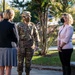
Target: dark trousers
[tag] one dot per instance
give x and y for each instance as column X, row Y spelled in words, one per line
column 27, row 55
column 65, row 57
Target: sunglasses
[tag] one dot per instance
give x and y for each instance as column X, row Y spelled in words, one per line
column 23, row 16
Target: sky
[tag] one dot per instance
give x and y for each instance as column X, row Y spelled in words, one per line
column 8, row 1
column 12, row 0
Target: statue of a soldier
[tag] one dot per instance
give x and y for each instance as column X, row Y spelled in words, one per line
column 27, row 35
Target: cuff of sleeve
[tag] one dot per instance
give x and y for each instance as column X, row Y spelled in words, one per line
column 65, row 41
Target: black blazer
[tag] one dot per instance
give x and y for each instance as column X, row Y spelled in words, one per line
column 7, row 34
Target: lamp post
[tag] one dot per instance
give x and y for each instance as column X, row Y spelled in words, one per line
column 3, row 5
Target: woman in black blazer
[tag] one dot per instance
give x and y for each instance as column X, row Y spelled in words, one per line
column 7, row 35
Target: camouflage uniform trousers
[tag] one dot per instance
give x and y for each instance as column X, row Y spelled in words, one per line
column 27, row 55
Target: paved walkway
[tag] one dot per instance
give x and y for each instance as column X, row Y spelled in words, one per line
column 41, row 70
column 38, row 72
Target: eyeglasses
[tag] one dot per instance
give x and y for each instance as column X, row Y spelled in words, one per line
column 65, row 14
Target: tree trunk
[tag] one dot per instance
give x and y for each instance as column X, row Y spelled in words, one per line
column 3, row 5
column 44, row 30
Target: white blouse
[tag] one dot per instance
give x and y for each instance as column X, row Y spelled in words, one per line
column 65, row 35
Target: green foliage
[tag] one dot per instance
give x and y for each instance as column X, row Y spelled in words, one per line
column 51, row 59
column 60, row 6
column 52, row 35
column 34, row 14
column 34, row 18
column 17, row 17
column 73, row 56
column 39, row 10
column 1, row 7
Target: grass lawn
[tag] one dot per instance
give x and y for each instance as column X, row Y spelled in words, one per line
column 51, row 59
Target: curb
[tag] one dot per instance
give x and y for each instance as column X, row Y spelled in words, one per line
column 40, row 67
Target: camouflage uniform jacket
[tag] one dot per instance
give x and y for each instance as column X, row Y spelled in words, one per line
column 27, row 35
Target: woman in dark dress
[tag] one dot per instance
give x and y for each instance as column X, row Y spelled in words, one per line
column 7, row 36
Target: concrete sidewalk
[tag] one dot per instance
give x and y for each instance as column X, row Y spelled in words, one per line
column 41, row 70
column 46, row 67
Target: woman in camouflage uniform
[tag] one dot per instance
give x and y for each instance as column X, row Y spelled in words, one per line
column 27, row 35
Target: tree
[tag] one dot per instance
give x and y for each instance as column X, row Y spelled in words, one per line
column 61, row 6
column 19, row 4
column 3, row 5
column 41, row 8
